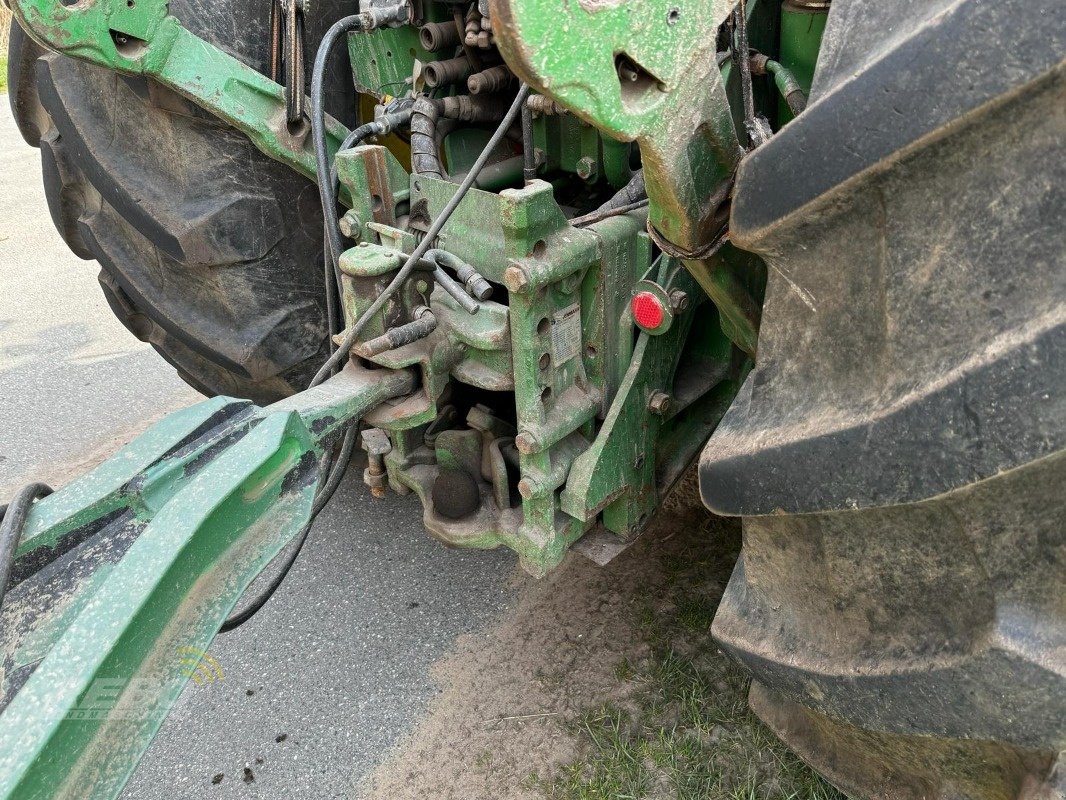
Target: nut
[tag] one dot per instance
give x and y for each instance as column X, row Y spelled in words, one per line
column 377, row 481
column 659, row 403
column 678, row 301
column 351, row 226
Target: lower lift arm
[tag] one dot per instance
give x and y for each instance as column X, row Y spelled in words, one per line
column 129, row 571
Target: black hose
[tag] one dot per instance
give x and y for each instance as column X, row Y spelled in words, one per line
column 601, row 214
column 424, row 157
column 529, row 154
column 336, row 472
column 318, row 129
column 633, row 192
column 13, row 519
column 427, row 240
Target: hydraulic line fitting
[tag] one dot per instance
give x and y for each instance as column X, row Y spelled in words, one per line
column 423, row 324
column 447, row 71
column 438, row 36
column 492, row 79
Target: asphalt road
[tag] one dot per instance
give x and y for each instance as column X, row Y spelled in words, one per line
column 334, row 670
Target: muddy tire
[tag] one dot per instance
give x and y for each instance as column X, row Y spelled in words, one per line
column 898, row 453
column 208, row 249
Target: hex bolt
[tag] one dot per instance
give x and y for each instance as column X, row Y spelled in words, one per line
column 351, row 226
column 377, row 444
column 678, row 301
column 659, row 403
column 516, row 278
column 586, row 169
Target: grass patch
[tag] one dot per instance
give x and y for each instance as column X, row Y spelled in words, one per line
column 685, row 730
column 3, row 74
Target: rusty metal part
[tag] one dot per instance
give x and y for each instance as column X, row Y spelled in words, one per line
column 492, row 79
column 438, row 36
column 446, row 71
column 377, row 445
column 423, row 324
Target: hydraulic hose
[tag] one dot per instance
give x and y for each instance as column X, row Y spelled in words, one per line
column 354, row 22
column 427, row 241
column 336, row 471
column 788, row 86
column 633, row 192
column 13, row 519
column 425, row 115
column 424, row 157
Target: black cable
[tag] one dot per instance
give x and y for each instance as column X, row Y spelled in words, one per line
column 529, row 153
column 336, row 471
column 601, row 214
column 13, row 519
column 318, row 128
column 427, row 241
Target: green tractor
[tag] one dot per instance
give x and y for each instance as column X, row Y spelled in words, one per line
column 537, row 258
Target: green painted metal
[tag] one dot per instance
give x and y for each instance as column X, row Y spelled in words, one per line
column 577, row 419
column 564, row 349
column 145, row 556
column 656, row 83
column 142, row 38
column 574, row 54
column 566, row 143
column 802, row 26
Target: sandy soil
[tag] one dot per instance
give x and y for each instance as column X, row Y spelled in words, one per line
column 507, row 695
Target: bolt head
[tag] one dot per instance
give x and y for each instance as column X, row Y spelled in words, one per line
column 515, row 278
column 351, row 226
column 586, row 168
column 678, row 301
column 659, row 403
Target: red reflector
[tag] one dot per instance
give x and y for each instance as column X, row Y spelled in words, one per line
column 647, row 310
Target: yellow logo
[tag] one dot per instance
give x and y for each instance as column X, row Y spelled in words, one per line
column 200, row 666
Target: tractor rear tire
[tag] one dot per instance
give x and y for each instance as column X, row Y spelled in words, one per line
column 208, row 249
column 899, row 453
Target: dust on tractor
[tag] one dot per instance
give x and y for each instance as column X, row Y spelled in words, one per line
column 536, row 258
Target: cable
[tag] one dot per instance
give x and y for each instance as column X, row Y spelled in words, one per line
column 427, row 241
column 325, row 494
column 607, row 213
column 14, row 518
column 529, row 153
column 318, row 128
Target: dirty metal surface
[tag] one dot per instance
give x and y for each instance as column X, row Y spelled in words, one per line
column 145, row 555
column 142, row 38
